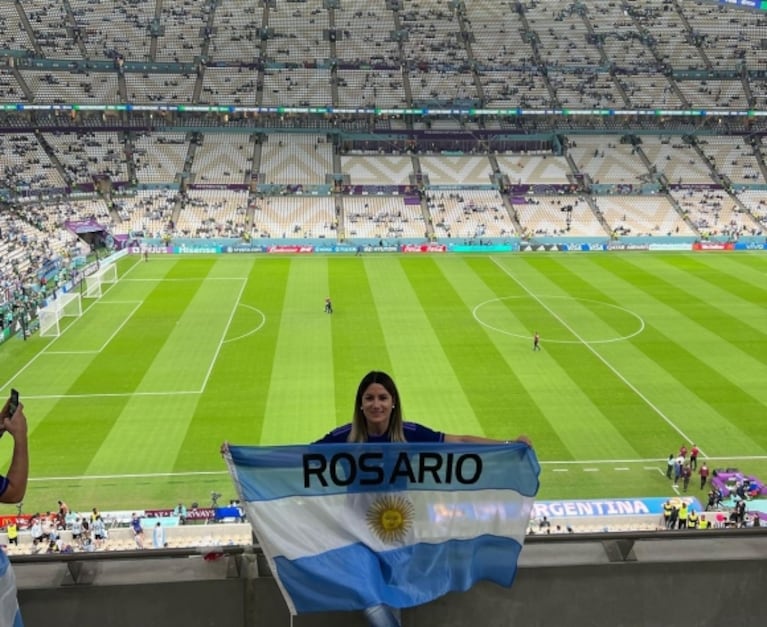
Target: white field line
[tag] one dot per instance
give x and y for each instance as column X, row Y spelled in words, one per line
column 253, row 330
column 55, row 339
column 44, row 397
column 149, row 475
column 223, row 335
column 201, row 473
column 46, row 351
column 185, row 279
column 122, row 324
column 156, row 393
column 90, row 352
column 110, row 338
column 628, row 384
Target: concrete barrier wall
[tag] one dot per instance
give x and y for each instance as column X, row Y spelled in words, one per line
column 675, row 579
column 121, row 538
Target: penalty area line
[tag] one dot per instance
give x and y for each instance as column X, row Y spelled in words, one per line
column 150, row 475
column 43, row 397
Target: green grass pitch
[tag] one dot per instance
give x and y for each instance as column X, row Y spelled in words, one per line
column 640, row 353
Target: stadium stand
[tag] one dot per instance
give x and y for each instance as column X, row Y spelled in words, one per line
column 357, row 122
column 361, row 122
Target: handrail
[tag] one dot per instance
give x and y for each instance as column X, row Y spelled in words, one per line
column 532, row 540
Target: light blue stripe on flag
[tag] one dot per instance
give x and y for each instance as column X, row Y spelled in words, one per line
column 275, row 472
column 400, row 578
column 350, row 526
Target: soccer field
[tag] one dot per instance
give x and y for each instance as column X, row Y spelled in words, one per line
column 640, row 353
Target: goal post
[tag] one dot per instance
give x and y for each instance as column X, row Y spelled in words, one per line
column 67, row 305
column 103, row 276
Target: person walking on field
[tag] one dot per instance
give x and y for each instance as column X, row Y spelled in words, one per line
column 703, row 472
column 694, row 452
column 686, row 474
column 138, row 531
column 328, row 305
column 536, row 341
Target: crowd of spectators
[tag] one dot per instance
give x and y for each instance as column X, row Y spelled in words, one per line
column 540, row 55
column 67, row 531
column 36, row 255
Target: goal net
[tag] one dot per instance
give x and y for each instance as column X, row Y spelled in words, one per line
column 94, row 282
column 65, row 306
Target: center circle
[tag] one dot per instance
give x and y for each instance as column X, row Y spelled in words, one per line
column 490, row 318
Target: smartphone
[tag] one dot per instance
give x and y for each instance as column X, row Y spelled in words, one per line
column 14, row 403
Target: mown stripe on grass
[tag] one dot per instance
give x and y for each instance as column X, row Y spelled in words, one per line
column 692, row 355
column 430, row 390
column 182, row 364
column 749, row 267
column 705, row 327
column 359, row 345
column 233, row 406
column 496, row 369
column 192, row 345
column 675, row 403
column 120, row 367
column 301, row 395
column 602, row 410
column 732, row 311
column 475, row 361
column 747, row 271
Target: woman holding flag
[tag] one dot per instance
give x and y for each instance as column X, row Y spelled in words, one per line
column 382, row 514
column 378, row 419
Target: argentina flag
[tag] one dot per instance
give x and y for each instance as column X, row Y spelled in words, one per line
column 350, row 526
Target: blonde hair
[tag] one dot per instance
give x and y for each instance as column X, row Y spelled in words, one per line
column 359, row 430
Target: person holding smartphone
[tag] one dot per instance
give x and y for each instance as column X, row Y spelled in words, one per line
column 13, row 486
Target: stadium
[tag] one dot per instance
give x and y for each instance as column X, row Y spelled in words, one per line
column 185, row 184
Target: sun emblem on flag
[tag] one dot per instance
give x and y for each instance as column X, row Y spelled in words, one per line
column 391, row 518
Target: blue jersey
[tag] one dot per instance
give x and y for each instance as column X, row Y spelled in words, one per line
column 413, row 433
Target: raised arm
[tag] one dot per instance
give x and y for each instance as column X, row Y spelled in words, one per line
column 18, row 471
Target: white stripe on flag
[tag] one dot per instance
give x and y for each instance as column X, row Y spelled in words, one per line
column 297, row 527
